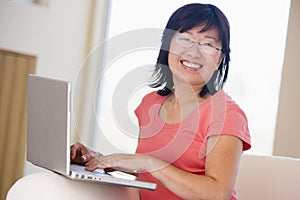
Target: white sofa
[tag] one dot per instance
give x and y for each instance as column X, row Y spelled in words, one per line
column 259, row 178
column 268, row 178
column 50, row 186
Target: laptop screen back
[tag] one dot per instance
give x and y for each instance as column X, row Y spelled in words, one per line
column 48, row 126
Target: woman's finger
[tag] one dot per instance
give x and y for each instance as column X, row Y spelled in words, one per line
column 77, row 151
column 87, row 157
column 94, row 164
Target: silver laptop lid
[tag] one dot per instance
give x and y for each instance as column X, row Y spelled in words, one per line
column 48, row 125
column 48, row 132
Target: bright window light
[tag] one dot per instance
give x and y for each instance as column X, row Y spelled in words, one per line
column 258, row 36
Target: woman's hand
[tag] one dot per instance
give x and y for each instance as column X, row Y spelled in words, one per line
column 80, row 154
column 131, row 163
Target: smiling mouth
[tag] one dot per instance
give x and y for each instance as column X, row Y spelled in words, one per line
column 191, row 65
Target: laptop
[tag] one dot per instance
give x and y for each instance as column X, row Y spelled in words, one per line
column 49, row 132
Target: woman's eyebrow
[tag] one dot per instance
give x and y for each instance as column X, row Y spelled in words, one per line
column 206, row 36
column 190, row 33
column 211, row 37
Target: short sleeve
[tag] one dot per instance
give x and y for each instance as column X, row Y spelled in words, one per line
column 141, row 107
column 230, row 119
column 138, row 110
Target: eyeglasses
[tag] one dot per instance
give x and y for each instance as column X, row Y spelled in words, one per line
column 205, row 47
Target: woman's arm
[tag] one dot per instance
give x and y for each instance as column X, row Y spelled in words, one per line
column 221, row 168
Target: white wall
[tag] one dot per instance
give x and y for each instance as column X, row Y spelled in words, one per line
column 287, row 138
column 58, row 34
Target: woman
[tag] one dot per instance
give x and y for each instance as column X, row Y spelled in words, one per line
column 192, row 134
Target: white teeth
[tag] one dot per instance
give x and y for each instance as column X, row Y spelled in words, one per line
column 191, row 65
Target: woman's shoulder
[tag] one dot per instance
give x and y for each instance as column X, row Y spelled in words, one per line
column 148, row 100
column 222, row 101
column 232, row 108
column 153, row 96
column 224, row 97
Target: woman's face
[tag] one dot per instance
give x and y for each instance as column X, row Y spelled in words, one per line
column 194, row 56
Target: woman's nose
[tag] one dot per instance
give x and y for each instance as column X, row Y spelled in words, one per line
column 194, row 51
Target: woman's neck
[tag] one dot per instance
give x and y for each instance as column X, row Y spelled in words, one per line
column 186, row 93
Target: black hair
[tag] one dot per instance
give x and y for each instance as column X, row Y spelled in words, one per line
column 184, row 19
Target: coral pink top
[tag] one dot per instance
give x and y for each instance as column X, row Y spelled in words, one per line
column 183, row 144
